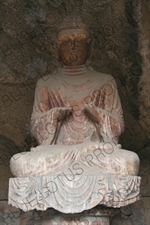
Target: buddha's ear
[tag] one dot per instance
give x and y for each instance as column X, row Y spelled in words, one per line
column 57, row 46
column 59, row 56
column 89, row 42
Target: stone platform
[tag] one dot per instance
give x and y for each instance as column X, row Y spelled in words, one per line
column 73, row 194
column 134, row 214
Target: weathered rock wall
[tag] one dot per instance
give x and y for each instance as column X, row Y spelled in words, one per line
column 120, row 31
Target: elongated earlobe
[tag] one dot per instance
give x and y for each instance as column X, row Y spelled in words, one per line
column 58, row 52
column 89, row 51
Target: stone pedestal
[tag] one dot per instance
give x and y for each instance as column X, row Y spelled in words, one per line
column 96, row 216
column 84, row 192
column 85, row 199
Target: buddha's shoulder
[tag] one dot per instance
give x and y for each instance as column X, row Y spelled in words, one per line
column 50, row 79
column 101, row 76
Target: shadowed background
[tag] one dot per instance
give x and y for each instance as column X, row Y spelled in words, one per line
column 120, row 31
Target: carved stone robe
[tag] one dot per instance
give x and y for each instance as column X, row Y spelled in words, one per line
column 75, row 88
column 78, row 163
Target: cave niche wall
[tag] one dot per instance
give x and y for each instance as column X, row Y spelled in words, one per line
column 120, row 47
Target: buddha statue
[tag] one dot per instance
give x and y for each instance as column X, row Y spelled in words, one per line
column 77, row 120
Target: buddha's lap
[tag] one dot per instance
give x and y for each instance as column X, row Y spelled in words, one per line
column 114, row 161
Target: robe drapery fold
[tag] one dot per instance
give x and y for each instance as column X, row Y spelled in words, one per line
column 78, row 163
column 61, row 90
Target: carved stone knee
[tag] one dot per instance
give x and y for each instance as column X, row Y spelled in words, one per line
column 16, row 164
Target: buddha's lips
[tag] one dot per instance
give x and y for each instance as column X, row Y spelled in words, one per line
column 73, row 52
column 73, row 57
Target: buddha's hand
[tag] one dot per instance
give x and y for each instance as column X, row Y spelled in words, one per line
column 91, row 112
column 64, row 113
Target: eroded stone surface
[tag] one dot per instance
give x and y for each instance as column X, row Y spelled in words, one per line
column 75, row 195
column 137, row 214
column 27, row 42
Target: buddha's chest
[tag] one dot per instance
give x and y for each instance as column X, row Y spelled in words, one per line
column 77, row 99
column 77, row 94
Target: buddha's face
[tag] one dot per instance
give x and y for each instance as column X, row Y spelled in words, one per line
column 73, row 48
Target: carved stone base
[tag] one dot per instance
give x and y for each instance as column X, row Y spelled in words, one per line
column 137, row 213
column 97, row 216
column 73, row 196
column 89, row 220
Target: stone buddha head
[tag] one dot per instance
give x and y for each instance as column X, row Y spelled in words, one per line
column 74, row 43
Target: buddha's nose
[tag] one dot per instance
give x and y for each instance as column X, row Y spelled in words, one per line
column 73, row 44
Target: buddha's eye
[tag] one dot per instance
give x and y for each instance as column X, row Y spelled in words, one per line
column 80, row 41
column 67, row 42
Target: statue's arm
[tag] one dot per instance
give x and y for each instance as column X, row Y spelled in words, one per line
column 109, row 115
column 44, row 117
column 113, row 122
column 48, row 113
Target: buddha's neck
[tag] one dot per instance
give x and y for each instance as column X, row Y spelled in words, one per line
column 75, row 70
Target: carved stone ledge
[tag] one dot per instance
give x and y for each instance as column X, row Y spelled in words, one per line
column 75, row 196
